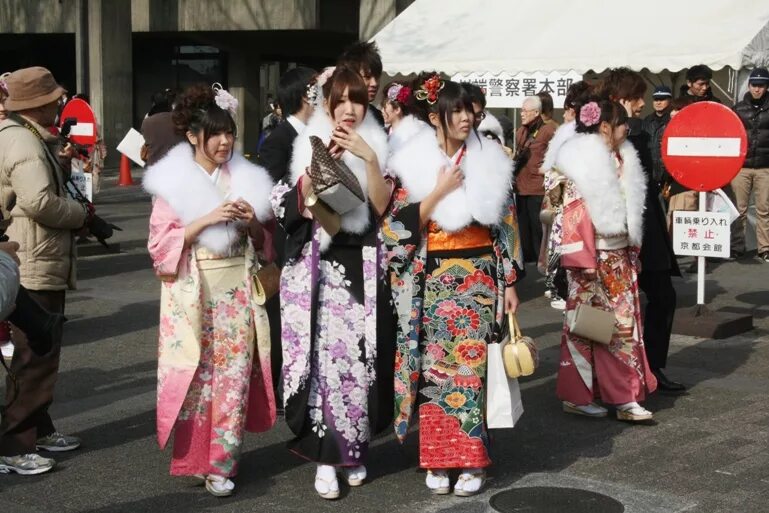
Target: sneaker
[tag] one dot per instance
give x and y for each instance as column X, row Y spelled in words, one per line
column 26, row 464
column 7, row 350
column 764, row 257
column 56, row 442
column 558, row 304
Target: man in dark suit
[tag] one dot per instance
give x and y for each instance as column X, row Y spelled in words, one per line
column 364, row 58
column 275, row 156
column 658, row 262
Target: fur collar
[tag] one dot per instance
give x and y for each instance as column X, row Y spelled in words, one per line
column 320, row 125
column 488, row 176
column 616, row 206
column 563, row 134
column 176, row 179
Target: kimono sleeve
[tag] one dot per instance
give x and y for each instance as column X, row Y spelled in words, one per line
column 401, row 231
column 508, row 243
column 166, row 240
column 285, row 201
column 578, row 239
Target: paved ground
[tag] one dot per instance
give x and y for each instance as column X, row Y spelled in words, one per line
column 707, row 452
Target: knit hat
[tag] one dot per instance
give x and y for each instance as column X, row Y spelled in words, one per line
column 29, row 88
column 759, row 76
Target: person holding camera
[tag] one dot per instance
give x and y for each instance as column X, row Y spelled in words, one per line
column 44, row 219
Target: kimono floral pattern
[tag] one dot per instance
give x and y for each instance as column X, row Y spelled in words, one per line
column 449, row 309
column 210, row 425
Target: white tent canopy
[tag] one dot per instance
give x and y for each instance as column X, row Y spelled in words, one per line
column 515, row 36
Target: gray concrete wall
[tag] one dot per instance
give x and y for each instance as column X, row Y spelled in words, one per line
column 37, row 16
column 192, row 15
column 110, row 68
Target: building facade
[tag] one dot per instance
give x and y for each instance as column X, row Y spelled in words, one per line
column 119, row 52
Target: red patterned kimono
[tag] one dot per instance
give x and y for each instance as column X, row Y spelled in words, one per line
column 602, row 229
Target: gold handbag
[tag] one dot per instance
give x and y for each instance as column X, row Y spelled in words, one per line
column 520, row 353
column 266, row 282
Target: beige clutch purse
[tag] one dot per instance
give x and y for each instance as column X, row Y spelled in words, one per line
column 520, row 353
column 592, row 323
column 266, row 283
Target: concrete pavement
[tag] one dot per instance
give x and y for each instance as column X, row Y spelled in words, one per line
column 707, row 451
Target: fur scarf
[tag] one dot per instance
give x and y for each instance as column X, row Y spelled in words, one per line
column 615, row 205
column 191, row 194
column 487, row 169
column 563, row 134
column 320, row 124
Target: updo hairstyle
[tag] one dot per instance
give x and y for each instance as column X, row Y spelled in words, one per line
column 196, row 110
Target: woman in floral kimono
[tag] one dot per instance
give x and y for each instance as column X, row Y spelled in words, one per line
column 602, row 230
column 454, row 258
column 206, row 227
column 336, row 311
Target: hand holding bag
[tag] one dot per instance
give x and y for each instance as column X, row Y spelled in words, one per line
column 503, row 396
column 332, row 180
column 519, row 353
column 592, row 323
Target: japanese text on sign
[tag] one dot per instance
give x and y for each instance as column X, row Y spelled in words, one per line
column 506, row 91
column 703, row 234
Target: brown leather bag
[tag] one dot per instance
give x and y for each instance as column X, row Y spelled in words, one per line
column 266, row 282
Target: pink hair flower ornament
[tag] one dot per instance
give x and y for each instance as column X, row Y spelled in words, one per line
column 399, row 93
column 224, row 100
column 590, row 114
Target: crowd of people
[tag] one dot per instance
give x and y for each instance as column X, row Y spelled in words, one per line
column 384, row 311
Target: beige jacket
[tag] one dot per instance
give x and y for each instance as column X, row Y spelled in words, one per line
column 43, row 215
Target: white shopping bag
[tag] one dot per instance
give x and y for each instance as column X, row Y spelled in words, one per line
column 718, row 201
column 503, row 395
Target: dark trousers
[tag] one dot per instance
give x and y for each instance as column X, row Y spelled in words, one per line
column 658, row 317
column 276, row 348
column 25, row 416
column 530, row 226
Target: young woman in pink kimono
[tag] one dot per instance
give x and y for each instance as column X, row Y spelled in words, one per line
column 602, row 231
column 206, row 232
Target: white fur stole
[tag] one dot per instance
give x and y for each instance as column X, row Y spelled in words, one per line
column 487, row 169
column 616, row 206
column 177, row 179
column 320, row 124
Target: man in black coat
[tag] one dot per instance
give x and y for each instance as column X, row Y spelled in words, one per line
column 697, row 86
column 655, row 124
column 658, row 262
column 754, row 175
column 275, row 156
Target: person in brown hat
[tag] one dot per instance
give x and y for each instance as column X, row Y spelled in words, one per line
column 44, row 219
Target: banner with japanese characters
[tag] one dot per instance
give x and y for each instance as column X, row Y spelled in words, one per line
column 506, row 91
column 702, row 234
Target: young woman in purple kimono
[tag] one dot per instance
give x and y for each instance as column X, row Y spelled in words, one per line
column 336, row 313
column 206, row 229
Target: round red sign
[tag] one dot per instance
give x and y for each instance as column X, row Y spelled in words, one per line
column 704, row 146
column 80, row 119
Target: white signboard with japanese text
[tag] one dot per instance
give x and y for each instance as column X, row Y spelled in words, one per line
column 83, row 181
column 701, row 234
column 506, row 91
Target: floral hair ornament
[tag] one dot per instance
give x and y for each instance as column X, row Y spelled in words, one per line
column 429, row 90
column 399, row 93
column 224, row 100
column 315, row 88
column 590, row 114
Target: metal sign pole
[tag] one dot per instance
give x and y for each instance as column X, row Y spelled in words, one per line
column 701, row 259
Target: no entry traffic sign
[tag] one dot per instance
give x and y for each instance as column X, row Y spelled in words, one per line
column 704, row 146
column 83, row 131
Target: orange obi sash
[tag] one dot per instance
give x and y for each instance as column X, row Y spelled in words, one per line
column 470, row 237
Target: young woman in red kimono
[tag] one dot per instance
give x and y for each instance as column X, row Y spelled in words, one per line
column 206, row 230
column 602, row 232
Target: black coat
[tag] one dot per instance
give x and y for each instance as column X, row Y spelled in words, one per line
column 276, row 151
column 373, row 111
column 709, row 97
column 275, row 157
column 755, row 117
column 656, row 247
column 655, row 125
